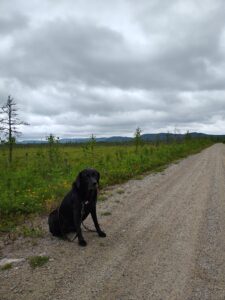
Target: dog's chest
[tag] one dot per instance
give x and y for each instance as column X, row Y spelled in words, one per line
column 87, row 205
column 88, row 202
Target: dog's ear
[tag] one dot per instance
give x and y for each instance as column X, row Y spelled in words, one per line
column 98, row 176
column 77, row 182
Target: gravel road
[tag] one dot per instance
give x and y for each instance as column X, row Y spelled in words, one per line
column 165, row 240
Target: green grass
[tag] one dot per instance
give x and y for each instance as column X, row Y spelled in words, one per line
column 120, row 191
column 6, row 267
column 41, row 175
column 38, row 261
column 107, row 213
column 30, row 231
column 102, row 198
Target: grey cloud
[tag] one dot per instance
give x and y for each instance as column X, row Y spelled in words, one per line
column 62, row 50
column 190, row 39
column 13, row 22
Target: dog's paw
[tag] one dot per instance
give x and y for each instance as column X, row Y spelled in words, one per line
column 101, row 234
column 82, row 243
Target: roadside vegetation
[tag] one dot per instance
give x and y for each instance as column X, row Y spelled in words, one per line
column 40, row 175
column 38, row 261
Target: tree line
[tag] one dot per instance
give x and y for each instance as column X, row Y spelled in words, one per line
column 10, row 122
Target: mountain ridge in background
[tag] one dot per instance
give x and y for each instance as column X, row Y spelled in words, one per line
column 151, row 137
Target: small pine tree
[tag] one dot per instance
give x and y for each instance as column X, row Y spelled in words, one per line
column 53, row 148
column 92, row 142
column 137, row 138
column 187, row 136
column 91, row 145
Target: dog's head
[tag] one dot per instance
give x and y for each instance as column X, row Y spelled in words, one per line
column 87, row 180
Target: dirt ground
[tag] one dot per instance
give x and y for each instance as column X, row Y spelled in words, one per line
column 165, row 240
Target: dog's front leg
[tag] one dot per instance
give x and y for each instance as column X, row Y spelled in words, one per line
column 77, row 223
column 95, row 220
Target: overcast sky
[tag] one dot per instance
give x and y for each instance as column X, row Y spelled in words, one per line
column 77, row 67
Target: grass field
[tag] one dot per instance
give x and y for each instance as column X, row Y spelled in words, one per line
column 40, row 175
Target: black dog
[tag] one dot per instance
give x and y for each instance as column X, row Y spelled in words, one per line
column 76, row 206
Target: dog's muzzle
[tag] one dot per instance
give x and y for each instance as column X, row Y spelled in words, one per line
column 93, row 186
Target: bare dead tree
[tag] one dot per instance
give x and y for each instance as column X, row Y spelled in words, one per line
column 1, row 125
column 9, row 123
